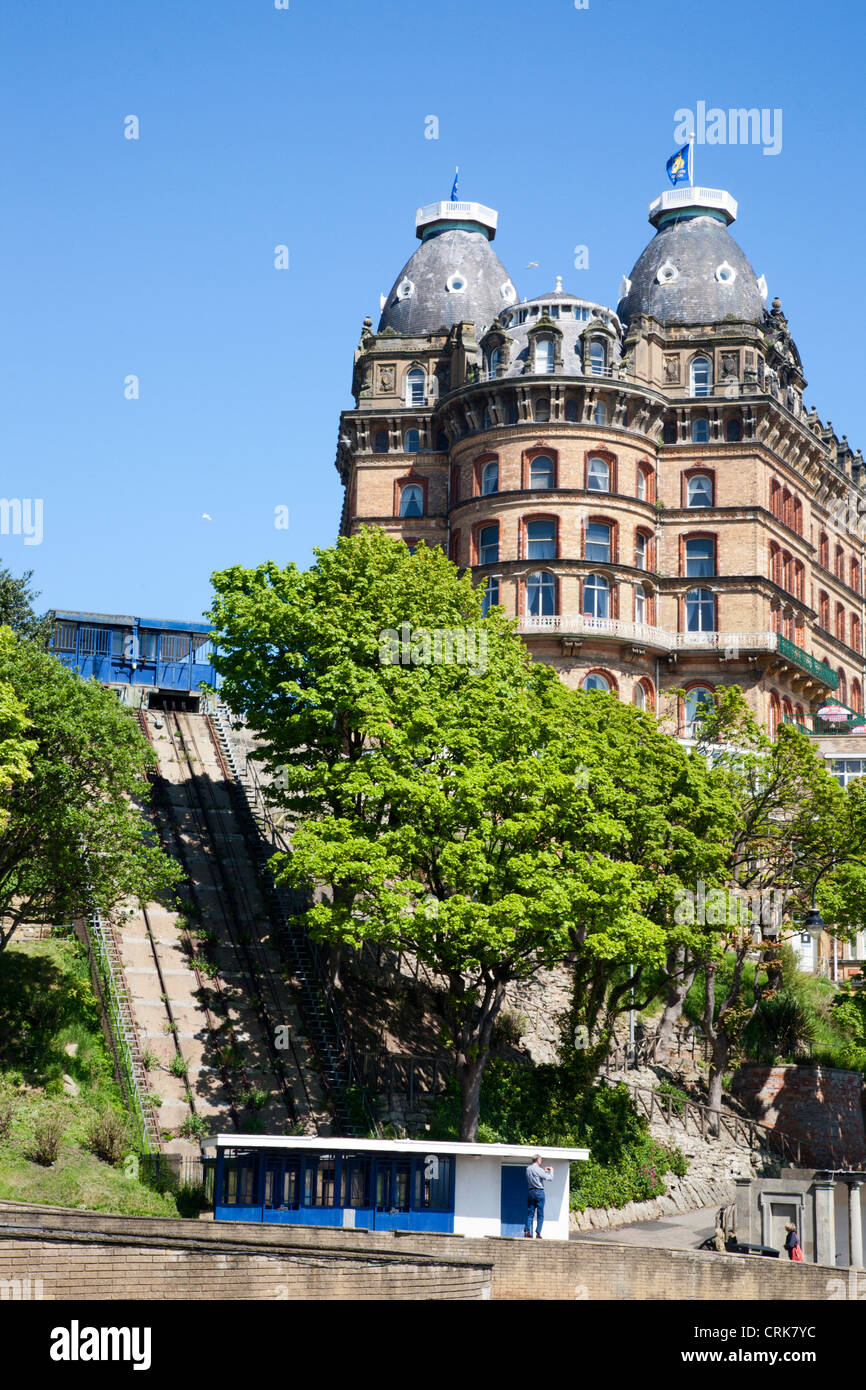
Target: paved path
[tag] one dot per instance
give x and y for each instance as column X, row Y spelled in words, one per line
column 672, row 1233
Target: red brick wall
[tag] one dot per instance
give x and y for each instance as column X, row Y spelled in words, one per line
column 819, row 1106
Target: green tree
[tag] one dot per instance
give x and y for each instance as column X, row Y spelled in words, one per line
column 793, row 819
column 483, row 817
column 74, row 839
column 17, row 611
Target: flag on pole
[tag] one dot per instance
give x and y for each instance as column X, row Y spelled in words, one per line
column 454, row 189
column 679, row 166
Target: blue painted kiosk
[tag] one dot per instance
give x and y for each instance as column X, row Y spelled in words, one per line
column 386, row 1184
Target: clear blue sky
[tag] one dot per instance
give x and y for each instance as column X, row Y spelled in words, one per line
column 306, row 127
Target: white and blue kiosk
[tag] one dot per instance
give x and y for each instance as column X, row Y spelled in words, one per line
column 386, row 1184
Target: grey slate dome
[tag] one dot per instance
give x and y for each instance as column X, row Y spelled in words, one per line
column 693, row 271
column 454, row 276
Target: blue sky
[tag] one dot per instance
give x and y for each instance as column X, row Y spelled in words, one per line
column 306, row 127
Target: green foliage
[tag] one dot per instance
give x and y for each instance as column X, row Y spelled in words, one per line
column 538, row 1105
column 253, row 1098
column 486, row 818
column 47, row 1133
column 109, row 1137
column 17, row 610
column 677, row 1097
column 149, row 1060
column 193, row 1127
column 74, row 840
column 177, row 1066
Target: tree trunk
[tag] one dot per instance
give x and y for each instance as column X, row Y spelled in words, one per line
column 333, row 962
column 470, row 1099
column 680, row 979
column 473, row 1050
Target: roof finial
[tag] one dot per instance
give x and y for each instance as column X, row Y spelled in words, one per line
column 559, row 284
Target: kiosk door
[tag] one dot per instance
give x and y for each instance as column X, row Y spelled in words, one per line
column 282, row 1190
column 513, row 1200
column 393, row 1186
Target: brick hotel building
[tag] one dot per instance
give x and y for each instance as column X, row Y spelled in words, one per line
column 643, row 489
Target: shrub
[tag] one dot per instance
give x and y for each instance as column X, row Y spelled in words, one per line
column 7, row 1114
column 47, row 1134
column 193, row 1127
column 177, row 1066
column 108, row 1136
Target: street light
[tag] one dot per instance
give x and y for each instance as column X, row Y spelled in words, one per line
column 813, row 922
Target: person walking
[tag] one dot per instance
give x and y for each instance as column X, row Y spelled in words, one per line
column 536, row 1177
column 792, row 1243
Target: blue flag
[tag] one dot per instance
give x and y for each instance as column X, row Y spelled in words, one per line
column 678, row 166
column 454, row 189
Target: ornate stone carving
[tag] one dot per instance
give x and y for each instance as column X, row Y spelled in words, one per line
column 387, row 376
column 672, row 370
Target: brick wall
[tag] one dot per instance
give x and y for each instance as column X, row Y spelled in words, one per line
column 820, row 1106
column 268, row 1262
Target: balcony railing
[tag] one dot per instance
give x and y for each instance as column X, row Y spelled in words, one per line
column 816, row 668
column 729, row 644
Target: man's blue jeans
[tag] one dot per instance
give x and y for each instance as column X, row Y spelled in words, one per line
column 536, row 1206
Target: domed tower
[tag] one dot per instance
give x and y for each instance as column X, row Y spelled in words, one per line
column 642, row 489
column 738, row 510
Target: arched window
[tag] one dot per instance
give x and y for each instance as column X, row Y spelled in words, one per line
column 787, row 711
column 700, row 557
column 840, row 622
column 572, row 412
column 695, row 709
column 540, row 594
column 669, row 432
column 416, row 387
column 823, row 550
column 490, row 478
column 733, row 431
column 541, row 540
column 823, row 611
column 411, row 442
column 543, row 355
column 641, row 550
column 411, row 500
column 597, row 357
column 775, row 563
column 639, row 604
column 799, row 579
column 699, row 491
column 638, row 696
column 600, row 414
column 798, row 516
column 775, row 714
column 700, row 377
column 644, row 484
column 598, row 475
column 800, row 715
column 855, row 575
column 490, row 596
column 598, row 542
column 840, row 563
column 700, row 611
column 700, row 431
column 856, row 696
column 488, row 544
column 596, row 596
column 775, row 495
column 541, row 472
column 843, row 686
column 595, row 681
column 856, row 632
column 493, row 361
column 380, row 442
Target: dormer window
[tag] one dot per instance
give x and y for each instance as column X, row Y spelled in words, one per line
column 405, row 289
column 597, row 357
column 667, row 273
column 493, row 362
column 700, row 377
column 455, row 284
column 544, row 355
column 725, row 274
column 416, row 387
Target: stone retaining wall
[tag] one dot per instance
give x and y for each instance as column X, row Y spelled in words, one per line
column 264, row 1258
column 820, row 1106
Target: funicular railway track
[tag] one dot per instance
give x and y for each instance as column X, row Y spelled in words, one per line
column 200, row 833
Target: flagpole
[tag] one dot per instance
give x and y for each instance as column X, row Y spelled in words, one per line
column 692, row 159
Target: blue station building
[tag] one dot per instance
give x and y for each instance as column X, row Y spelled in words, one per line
column 147, row 660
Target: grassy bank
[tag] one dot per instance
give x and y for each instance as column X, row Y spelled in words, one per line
column 50, row 1028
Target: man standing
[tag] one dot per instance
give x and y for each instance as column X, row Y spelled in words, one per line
column 536, row 1177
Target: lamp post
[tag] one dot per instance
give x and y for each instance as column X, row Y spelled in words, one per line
column 813, row 922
